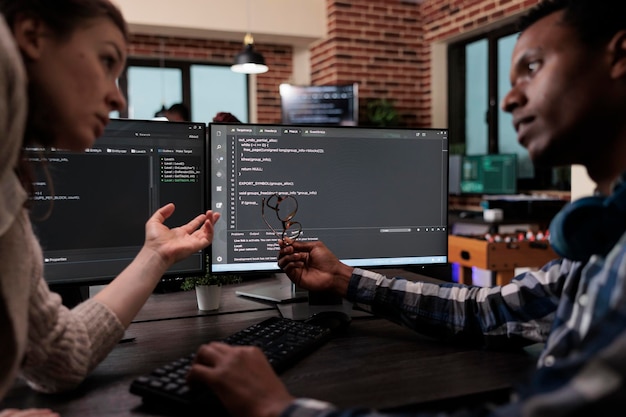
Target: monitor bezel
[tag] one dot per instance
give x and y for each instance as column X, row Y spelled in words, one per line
column 173, row 272
column 270, row 268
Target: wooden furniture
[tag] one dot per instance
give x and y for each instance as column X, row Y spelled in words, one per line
column 376, row 363
column 500, row 257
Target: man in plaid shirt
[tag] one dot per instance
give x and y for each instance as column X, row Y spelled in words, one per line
column 568, row 101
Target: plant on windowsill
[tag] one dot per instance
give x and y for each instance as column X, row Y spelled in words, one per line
column 208, row 288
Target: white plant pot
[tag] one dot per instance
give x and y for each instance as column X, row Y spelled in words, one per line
column 208, row 297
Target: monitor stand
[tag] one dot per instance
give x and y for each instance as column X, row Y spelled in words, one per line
column 295, row 303
column 281, row 291
column 318, row 302
column 71, row 295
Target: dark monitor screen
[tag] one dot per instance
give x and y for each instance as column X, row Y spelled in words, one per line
column 377, row 197
column 489, row 174
column 99, row 200
column 320, row 105
column 455, row 163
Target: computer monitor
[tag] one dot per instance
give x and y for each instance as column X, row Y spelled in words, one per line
column 90, row 209
column 320, row 105
column 455, row 164
column 377, row 197
column 489, row 174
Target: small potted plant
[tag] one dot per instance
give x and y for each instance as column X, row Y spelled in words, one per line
column 208, row 288
column 382, row 112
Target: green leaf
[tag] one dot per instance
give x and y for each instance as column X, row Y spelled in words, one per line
column 189, row 283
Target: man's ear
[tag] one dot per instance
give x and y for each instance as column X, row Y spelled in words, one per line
column 618, row 48
column 29, row 33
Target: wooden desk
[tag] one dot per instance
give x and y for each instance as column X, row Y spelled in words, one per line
column 375, row 364
column 106, row 391
column 183, row 304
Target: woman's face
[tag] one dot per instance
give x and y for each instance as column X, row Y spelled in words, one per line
column 73, row 81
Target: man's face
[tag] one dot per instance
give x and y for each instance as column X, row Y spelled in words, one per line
column 561, row 98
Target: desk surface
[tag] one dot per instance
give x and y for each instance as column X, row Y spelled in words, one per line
column 183, row 304
column 375, row 364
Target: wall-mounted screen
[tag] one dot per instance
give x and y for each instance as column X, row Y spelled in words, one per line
column 489, row 174
column 330, row 105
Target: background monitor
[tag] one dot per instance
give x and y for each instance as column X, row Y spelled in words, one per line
column 320, row 105
column 90, row 209
column 455, row 164
column 489, row 174
column 377, row 197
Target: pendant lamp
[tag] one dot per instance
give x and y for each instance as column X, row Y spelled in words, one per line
column 249, row 61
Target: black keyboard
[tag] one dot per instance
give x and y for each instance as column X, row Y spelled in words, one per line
column 284, row 342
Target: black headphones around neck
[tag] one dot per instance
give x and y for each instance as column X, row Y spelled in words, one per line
column 590, row 225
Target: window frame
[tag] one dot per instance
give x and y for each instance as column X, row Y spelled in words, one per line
column 457, row 95
column 184, row 66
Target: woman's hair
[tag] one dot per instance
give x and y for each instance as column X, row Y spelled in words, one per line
column 62, row 18
column 225, row 117
column 181, row 109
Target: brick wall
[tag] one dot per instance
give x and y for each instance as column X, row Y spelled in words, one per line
column 375, row 43
column 445, row 19
column 384, row 45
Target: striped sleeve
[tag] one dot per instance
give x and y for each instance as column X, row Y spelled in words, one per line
column 516, row 314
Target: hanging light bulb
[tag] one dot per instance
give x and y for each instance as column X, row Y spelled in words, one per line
column 249, row 61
